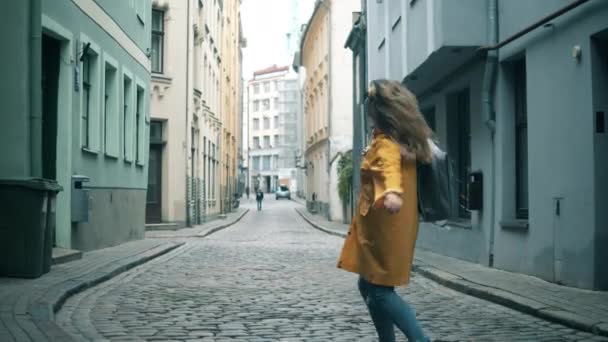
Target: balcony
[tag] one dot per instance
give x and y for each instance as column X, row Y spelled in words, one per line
column 442, row 35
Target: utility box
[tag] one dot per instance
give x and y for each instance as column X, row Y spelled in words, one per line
column 476, row 191
column 80, row 199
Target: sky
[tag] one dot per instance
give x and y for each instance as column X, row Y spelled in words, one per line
column 265, row 25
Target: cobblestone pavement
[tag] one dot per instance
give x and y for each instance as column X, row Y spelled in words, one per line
column 272, row 277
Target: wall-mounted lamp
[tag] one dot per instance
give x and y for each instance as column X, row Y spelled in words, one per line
column 577, row 53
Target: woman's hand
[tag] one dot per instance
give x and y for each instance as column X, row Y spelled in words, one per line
column 392, row 202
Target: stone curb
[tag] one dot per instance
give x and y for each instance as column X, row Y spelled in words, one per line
column 204, row 234
column 495, row 295
column 223, row 226
column 42, row 310
column 319, row 227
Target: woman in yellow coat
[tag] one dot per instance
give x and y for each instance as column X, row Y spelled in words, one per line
column 381, row 240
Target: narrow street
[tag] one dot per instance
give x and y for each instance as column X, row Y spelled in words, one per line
column 272, row 277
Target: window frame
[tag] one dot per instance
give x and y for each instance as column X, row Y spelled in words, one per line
column 111, row 106
column 161, row 36
column 520, row 98
column 128, row 113
column 94, row 56
column 141, row 119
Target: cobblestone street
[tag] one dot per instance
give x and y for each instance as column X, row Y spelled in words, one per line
column 271, row 277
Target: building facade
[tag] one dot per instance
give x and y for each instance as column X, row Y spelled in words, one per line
column 327, row 103
column 93, row 107
column 232, row 43
column 190, row 148
column 264, row 128
column 529, row 149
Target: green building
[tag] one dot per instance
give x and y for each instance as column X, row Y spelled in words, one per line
column 87, row 126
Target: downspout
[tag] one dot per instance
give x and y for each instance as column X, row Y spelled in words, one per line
column 329, row 97
column 488, row 112
column 188, row 219
column 35, row 93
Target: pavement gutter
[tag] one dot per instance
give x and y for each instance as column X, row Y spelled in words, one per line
column 42, row 309
column 494, row 295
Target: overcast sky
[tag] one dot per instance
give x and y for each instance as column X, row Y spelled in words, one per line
column 265, row 25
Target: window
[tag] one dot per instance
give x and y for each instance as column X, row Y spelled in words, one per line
column 127, row 119
column 275, row 161
column 276, row 140
column 266, row 123
column 276, row 103
column 464, row 152
column 266, row 87
column 111, row 123
column 158, row 43
column 266, row 141
column 256, row 106
column 139, row 123
column 213, row 156
column 429, row 115
column 256, row 124
column 256, row 89
column 266, row 163
column 276, row 121
column 86, row 100
column 521, row 139
column 256, row 164
column 256, row 142
column 274, row 85
column 156, row 131
column 266, row 104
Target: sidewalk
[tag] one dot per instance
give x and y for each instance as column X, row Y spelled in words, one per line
column 581, row 309
column 201, row 230
column 28, row 306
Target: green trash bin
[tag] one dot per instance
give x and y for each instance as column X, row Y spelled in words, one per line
column 27, row 226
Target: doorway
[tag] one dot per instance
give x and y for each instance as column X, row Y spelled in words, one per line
column 155, row 174
column 600, row 120
column 51, row 49
column 268, row 181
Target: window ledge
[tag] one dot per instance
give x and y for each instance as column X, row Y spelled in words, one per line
column 520, row 225
column 130, row 162
column 109, row 156
column 454, row 223
column 162, row 78
column 89, row 151
column 458, row 223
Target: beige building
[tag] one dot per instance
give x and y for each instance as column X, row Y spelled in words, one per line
column 231, row 97
column 187, row 125
column 327, row 100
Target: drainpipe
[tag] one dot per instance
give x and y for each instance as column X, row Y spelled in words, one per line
column 188, row 218
column 329, row 96
column 488, row 112
column 35, row 93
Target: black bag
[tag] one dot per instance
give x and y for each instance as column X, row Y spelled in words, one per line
column 436, row 187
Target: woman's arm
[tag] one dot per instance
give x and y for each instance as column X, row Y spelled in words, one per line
column 387, row 178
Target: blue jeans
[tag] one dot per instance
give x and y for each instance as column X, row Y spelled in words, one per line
column 387, row 309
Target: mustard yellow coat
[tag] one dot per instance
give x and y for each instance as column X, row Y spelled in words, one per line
column 379, row 245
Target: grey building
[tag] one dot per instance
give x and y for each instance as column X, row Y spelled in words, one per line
column 516, row 92
column 90, row 118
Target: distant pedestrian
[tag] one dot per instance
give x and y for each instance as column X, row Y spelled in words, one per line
column 247, row 192
column 259, row 197
column 380, row 243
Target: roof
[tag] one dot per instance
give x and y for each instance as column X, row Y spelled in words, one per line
column 270, row 70
column 318, row 5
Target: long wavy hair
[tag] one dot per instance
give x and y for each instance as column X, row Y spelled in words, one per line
column 394, row 110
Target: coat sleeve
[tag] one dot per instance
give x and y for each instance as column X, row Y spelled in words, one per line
column 387, row 167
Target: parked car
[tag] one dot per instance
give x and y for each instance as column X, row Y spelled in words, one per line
column 283, row 192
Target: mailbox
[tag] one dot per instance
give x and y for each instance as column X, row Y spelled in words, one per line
column 80, row 199
column 475, row 190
